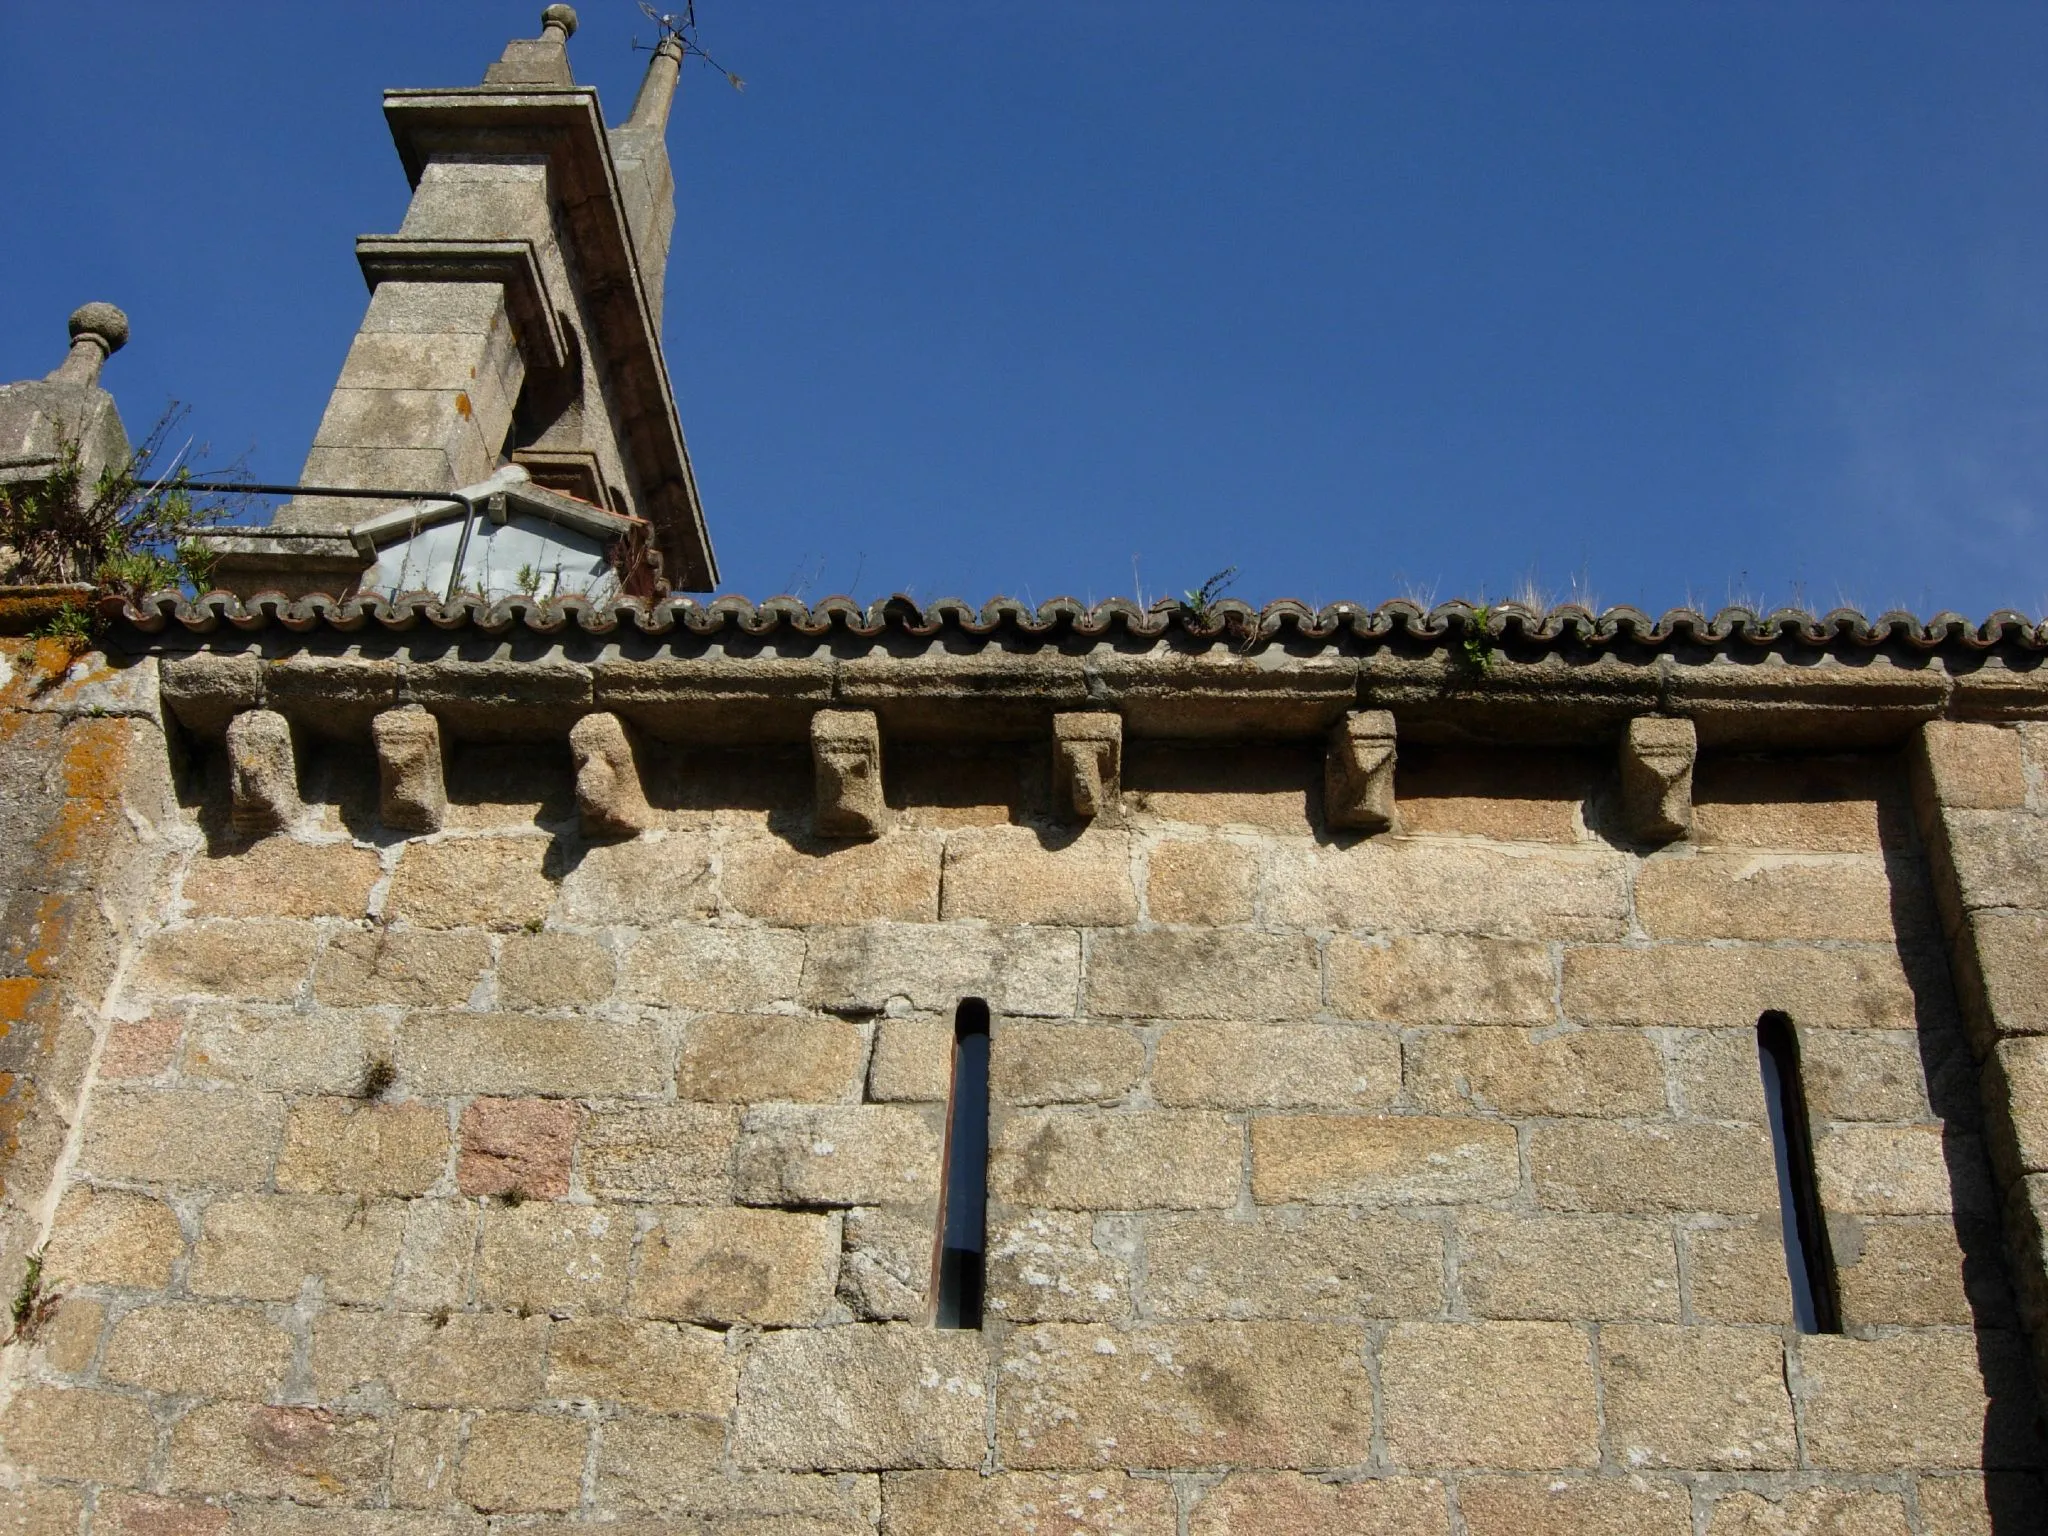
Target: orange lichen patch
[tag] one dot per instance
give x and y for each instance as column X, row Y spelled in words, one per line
column 95, row 756
column 16, row 994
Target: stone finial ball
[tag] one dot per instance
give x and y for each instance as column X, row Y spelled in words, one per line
column 101, row 320
column 563, row 16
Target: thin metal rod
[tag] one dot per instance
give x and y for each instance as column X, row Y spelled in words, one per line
column 351, row 493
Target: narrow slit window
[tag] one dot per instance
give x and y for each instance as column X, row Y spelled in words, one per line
column 963, row 1199
column 1808, row 1262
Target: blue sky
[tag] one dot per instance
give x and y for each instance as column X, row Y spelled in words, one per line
column 1667, row 301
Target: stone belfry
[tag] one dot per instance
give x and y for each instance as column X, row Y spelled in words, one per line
column 512, row 344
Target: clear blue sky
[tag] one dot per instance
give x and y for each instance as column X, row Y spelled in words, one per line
column 1366, row 299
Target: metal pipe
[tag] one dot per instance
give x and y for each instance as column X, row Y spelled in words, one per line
column 354, row 493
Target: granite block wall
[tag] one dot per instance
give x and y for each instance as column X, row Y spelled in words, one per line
column 502, row 1178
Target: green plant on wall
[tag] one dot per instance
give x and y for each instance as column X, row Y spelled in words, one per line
column 1201, row 603
column 1476, row 643
column 128, row 529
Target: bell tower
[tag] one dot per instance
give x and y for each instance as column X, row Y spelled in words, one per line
column 513, row 329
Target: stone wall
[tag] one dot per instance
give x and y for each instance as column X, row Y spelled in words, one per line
column 1407, row 1184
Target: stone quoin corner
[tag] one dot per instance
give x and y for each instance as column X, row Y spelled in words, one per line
column 500, row 1040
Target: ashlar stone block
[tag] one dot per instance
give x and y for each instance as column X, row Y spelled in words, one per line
column 1655, row 1167
column 893, row 878
column 726, row 1265
column 1515, row 1265
column 1512, row 1396
column 1117, row 1160
column 1574, row 1506
column 91, row 1436
column 1012, row 875
column 1433, row 979
column 1697, row 1397
column 523, row 1462
column 347, row 1147
column 1201, row 880
column 1059, row 1267
column 225, row 1139
column 856, row 1154
column 754, row 1058
column 675, row 1155
column 309, row 1455
column 1165, row 973
column 264, row 1247
column 655, row 1367
column 473, row 882
column 1282, row 1066
column 283, row 877
column 1289, row 1504
column 1608, row 1072
column 1027, row 1504
column 862, row 1396
column 111, row 1237
column 1816, row 1512
column 199, row 1351
column 1188, row 1395
column 1382, row 1160
column 1925, row 1401
column 1318, row 1266
column 1686, row 987
column 1061, row 1063
column 549, row 1256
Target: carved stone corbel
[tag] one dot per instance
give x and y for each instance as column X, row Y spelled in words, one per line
column 1088, row 764
column 1358, row 772
column 608, row 791
column 1657, row 757
column 263, row 772
column 413, row 794
column 846, row 750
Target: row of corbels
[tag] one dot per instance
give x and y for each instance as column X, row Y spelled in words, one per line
column 1657, row 756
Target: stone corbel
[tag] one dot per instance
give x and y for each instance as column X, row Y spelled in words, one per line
column 1088, row 764
column 846, row 749
column 1358, row 772
column 263, row 772
column 608, row 791
column 1657, row 756
column 413, row 794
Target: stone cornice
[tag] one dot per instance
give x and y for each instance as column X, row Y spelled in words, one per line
column 731, row 671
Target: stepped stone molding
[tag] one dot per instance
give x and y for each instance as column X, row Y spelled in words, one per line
column 608, row 792
column 846, row 748
column 263, row 770
column 1657, row 757
column 1986, row 832
column 412, row 791
column 1087, row 754
column 1358, row 772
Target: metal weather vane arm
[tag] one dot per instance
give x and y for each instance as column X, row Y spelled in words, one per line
column 682, row 27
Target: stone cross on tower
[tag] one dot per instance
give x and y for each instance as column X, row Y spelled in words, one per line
column 513, row 331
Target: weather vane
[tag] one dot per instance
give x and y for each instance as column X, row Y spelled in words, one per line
column 682, row 27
